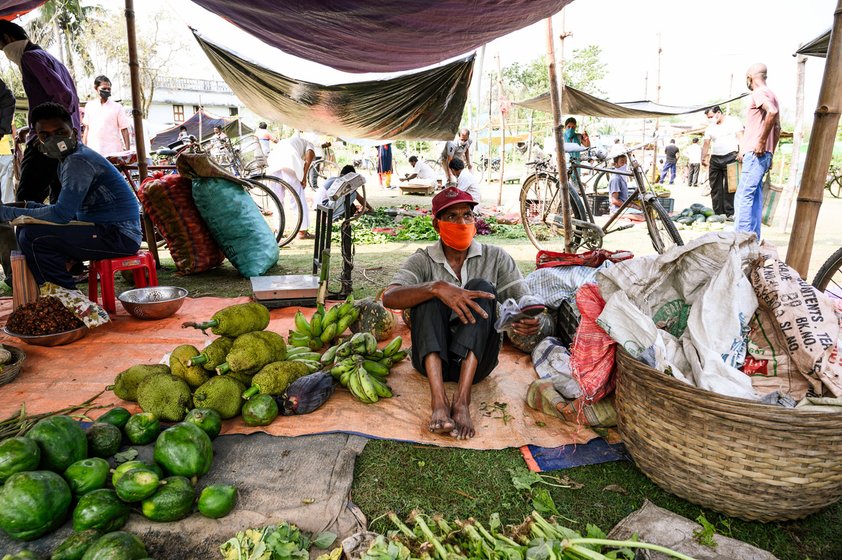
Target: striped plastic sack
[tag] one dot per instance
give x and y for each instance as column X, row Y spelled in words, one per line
column 168, row 201
column 593, row 350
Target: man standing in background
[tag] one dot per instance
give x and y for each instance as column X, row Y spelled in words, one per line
column 106, row 124
column 384, row 164
column 694, row 159
column 291, row 161
column 722, row 141
column 763, row 129
column 671, row 154
column 457, row 149
column 44, row 79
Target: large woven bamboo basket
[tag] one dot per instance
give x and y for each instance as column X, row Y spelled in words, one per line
column 748, row 460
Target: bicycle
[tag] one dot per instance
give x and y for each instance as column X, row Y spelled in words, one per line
column 541, row 208
column 834, row 182
column 323, row 168
column 829, row 277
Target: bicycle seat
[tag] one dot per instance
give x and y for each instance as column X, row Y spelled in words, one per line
column 166, row 152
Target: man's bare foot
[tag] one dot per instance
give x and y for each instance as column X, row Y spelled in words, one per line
column 441, row 422
column 461, row 414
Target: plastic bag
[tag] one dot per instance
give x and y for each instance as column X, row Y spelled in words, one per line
column 511, row 311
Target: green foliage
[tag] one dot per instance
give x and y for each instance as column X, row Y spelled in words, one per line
column 419, row 228
column 704, row 535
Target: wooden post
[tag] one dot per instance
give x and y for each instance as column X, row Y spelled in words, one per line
column 490, row 128
column 797, row 134
column 555, row 101
column 500, row 97
column 655, row 166
column 819, row 153
column 137, row 116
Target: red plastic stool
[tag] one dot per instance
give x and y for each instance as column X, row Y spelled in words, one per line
column 104, row 270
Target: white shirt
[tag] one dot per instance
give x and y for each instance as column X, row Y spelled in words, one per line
column 694, row 153
column 423, row 170
column 470, row 184
column 723, row 136
column 289, row 155
column 104, row 121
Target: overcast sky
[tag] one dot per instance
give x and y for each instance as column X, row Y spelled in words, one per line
column 706, row 46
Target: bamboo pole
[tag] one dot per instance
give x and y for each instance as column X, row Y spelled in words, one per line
column 500, row 97
column 137, row 116
column 555, row 101
column 798, row 133
column 819, row 153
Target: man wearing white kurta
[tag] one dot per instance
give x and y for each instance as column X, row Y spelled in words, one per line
column 291, row 161
column 422, row 174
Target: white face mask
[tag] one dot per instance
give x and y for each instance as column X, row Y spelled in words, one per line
column 14, row 50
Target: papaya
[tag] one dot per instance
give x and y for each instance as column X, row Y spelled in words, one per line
column 33, row 503
column 117, row 416
column 142, row 428
column 184, row 450
column 100, row 509
column 206, row 418
column 104, row 439
column 373, row 318
column 118, row 545
column 75, row 546
column 86, row 475
column 18, row 454
column 217, row 500
column 62, row 442
column 171, row 502
column 260, row 410
column 137, row 484
column 118, row 473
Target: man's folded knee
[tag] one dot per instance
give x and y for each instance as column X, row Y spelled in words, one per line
column 482, row 285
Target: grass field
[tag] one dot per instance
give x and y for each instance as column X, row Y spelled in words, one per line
column 393, row 476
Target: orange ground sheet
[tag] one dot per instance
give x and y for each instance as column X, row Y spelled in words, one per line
column 54, row 378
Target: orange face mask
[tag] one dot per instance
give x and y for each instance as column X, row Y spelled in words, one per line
column 457, row 236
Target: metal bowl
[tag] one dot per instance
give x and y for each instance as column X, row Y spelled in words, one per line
column 153, row 303
column 57, row 339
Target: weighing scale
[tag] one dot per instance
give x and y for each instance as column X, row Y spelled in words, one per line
column 306, row 290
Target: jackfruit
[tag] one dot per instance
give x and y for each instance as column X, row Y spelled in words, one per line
column 126, row 383
column 166, row 396
column 252, row 351
column 223, row 394
column 193, row 375
column 214, row 354
column 274, row 378
column 236, row 320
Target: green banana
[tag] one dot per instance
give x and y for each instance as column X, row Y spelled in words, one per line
column 329, row 333
column 370, row 343
column 366, row 385
column 345, row 377
column 312, row 365
column 375, row 368
column 385, row 362
column 320, row 309
column 331, row 316
column 316, row 324
column 297, row 350
column 345, row 349
column 300, row 343
column 354, row 385
column 343, row 324
column 315, row 344
column 382, row 390
column 301, row 324
column 375, row 356
column 329, row 356
column 337, row 370
column 304, row 356
column 398, row 356
column 393, row 346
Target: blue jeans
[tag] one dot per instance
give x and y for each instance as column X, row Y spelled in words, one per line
column 748, row 201
column 48, row 248
column 668, row 167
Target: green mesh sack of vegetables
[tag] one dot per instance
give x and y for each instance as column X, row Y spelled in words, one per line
column 231, row 215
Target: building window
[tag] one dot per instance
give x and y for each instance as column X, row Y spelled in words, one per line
column 195, row 109
column 178, row 113
column 233, row 111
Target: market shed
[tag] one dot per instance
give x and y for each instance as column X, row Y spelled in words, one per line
column 201, row 126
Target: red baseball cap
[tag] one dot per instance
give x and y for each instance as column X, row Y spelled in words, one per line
column 450, row 196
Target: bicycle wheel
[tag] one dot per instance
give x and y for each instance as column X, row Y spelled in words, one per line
column 662, row 230
column 270, row 207
column 289, row 202
column 829, row 277
column 320, row 170
column 835, row 187
column 539, row 199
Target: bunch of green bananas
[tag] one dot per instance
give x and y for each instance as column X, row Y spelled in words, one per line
column 361, row 367
column 305, row 356
column 324, row 326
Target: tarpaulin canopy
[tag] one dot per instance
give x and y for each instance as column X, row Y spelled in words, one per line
column 206, row 122
column 575, row 102
column 384, row 36
column 816, row 47
column 10, row 9
column 425, row 105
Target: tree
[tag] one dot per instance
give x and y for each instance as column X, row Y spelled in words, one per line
column 61, row 23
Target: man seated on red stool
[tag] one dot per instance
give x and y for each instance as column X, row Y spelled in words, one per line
column 92, row 191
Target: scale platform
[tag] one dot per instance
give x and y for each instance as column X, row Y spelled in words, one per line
column 286, row 291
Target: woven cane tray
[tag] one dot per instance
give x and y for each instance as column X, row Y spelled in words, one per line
column 745, row 459
column 11, row 370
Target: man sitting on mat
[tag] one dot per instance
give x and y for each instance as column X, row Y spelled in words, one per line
column 92, row 191
column 452, row 288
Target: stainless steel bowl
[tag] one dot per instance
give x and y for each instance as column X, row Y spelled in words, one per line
column 58, row 339
column 152, row 303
